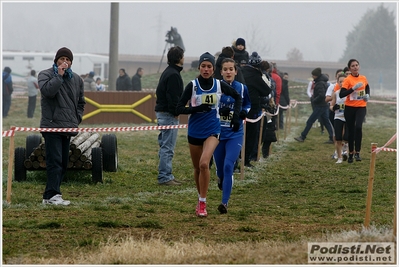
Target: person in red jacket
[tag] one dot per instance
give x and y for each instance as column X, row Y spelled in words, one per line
column 279, row 82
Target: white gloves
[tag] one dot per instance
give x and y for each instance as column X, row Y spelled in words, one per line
column 366, row 97
column 358, row 85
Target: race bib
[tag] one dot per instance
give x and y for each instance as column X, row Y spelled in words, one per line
column 225, row 120
column 210, row 99
column 357, row 95
column 341, row 108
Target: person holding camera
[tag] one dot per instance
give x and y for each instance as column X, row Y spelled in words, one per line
column 203, row 95
column 174, row 38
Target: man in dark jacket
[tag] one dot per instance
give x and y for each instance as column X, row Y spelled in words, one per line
column 240, row 53
column 284, row 100
column 257, row 88
column 62, row 104
column 136, row 80
column 320, row 106
column 227, row 52
column 123, row 82
column 170, row 87
column 7, row 90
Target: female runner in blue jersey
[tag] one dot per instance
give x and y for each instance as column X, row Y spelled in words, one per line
column 203, row 95
column 228, row 149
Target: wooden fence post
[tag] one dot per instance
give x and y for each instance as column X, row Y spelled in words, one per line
column 10, row 165
column 262, row 121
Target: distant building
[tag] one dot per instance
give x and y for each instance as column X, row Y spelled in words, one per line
column 22, row 63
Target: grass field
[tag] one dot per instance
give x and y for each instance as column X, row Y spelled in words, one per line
column 295, row 196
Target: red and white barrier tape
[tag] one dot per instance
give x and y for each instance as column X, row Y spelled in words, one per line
column 74, row 130
column 8, row 133
column 294, row 102
column 384, row 148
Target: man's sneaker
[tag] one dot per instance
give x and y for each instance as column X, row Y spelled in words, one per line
column 171, row 182
column 335, row 155
column 345, row 156
column 201, row 209
column 350, row 159
column 299, row 139
column 56, row 200
column 220, row 183
column 339, row 160
column 222, row 208
column 357, row 157
column 329, row 142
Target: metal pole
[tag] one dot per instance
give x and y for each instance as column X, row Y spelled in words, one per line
column 163, row 54
column 113, row 47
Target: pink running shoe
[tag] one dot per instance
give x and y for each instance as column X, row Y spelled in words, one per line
column 201, row 209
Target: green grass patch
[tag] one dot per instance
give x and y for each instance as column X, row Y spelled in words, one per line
column 297, row 192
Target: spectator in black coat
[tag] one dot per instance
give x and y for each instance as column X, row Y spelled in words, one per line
column 170, row 88
column 136, row 80
column 257, row 88
column 62, row 106
column 241, row 55
column 123, row 83
column 227, row 52
column 7, row 90
column 284, row 100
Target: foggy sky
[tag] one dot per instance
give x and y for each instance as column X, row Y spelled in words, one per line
column 318, row 30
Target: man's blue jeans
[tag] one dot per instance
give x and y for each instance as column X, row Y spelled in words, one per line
column 167, row 142
column 322, row 112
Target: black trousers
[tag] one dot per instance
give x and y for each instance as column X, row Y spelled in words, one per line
column 251, row 140
column 31, row 106
column 354, row 117
column 57, row 156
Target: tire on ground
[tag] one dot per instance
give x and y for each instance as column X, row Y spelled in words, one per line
column 32, row 141
column 97, row 164
column 19, row 167
column 110, row 152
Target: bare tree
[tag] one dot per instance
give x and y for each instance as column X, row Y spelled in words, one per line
column 294, row 55
column 257, row 42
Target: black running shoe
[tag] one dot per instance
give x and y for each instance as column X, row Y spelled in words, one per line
column 357, row 157
column 222, row 208
column 350, row 159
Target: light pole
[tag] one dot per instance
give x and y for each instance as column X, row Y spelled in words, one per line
column 113, row 47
